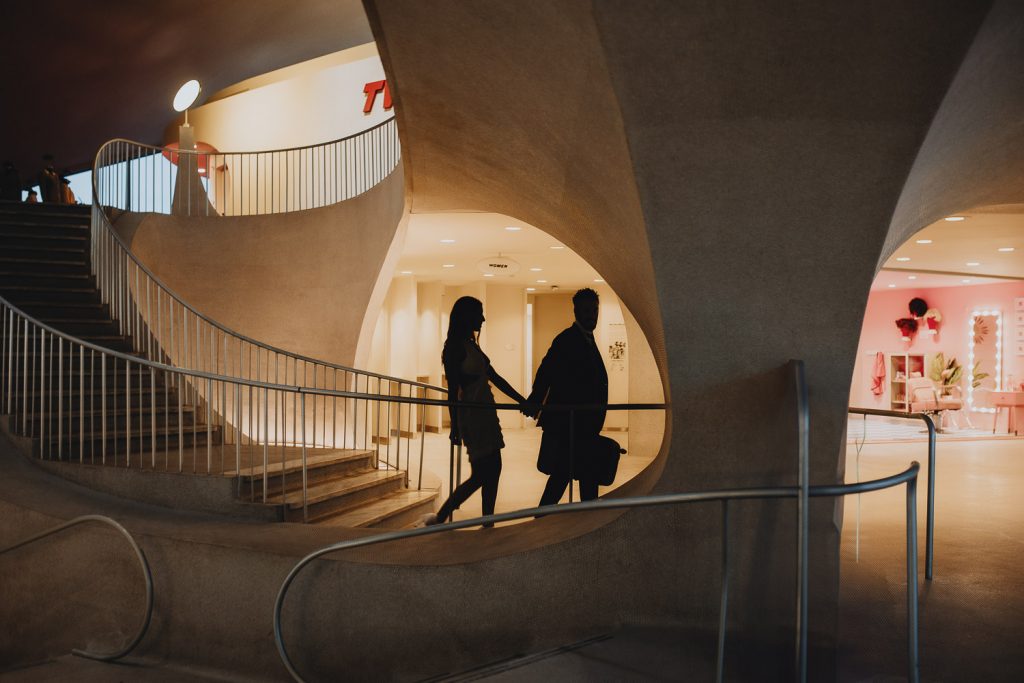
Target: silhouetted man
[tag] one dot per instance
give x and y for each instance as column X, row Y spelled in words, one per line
column 572, row 372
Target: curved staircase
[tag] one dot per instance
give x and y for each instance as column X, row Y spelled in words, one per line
column 77, row 409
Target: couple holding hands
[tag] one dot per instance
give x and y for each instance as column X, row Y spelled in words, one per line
column 572, row 372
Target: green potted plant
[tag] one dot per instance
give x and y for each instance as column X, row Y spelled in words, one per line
column 946, row 374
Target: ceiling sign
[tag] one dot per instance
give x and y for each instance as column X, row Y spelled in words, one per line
column 498, row 265
column 371, row 90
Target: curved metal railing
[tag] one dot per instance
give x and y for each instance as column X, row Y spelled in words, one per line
column 146, row 575
column 929, row 535
column 802, row 492
column 80, row 401
column 908, row 477
column 164, row 328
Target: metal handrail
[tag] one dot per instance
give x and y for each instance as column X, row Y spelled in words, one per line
column 908, row 476
column 114, row 264
column 25, row 337
column 353, row 136
column 929, row 552
column 146, row 574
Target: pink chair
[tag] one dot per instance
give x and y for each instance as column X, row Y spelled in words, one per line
column 925, row 398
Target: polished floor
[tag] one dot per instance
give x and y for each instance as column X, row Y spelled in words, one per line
column 521, row 484
column 972, row 612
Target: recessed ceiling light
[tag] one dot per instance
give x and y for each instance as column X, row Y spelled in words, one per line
column 448, row 265
column 954, row 219
column 965, row 280
column 513, row 228
column 911, row 277
column 1006, row 248
column 536, row 269
column 902, row 258
column 406, row 272
column 558, row 246
column 447, row 241
column 488, row 274
column 892, row 285
column 924, row 241
column 972, row 263
column 597, row 279
column 531, row 289
column 541, row 282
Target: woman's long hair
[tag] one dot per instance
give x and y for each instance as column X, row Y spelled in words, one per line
column 460, row 324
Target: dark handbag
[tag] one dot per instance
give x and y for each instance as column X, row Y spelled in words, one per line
column 604, row 460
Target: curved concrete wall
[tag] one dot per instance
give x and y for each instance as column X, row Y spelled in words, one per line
column 973, row 155
column 299, row 281
column 732, row 171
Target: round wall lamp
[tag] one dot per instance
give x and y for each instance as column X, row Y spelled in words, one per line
column 186, row 97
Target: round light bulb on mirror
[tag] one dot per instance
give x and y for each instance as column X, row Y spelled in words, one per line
column 186, row 95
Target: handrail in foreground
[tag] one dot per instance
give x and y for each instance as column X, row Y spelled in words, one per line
column 929, row 543
column 908, row 476
column 146, row 574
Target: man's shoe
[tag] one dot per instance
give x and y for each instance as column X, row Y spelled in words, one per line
column 431, row 519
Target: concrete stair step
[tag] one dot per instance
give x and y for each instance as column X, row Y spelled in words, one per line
column 322, row 465
column 84, row 310
column 21, row 235
column 42, row 279
column 78, row 252
column 394, row 511
column 71, row 264
column 66, row 296
column 328, row 497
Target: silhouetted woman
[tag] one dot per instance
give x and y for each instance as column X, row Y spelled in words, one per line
column 468, row 370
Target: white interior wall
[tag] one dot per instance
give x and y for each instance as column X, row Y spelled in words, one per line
column 506, row 319
column 312, row 106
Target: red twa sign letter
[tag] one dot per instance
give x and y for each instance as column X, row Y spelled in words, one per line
column 371, row 90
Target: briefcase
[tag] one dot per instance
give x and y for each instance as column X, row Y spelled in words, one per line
column 604, row 460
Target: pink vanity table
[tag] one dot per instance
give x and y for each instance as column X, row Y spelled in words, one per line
column 1014, row 400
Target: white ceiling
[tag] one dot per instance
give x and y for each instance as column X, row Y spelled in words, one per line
column 479, row 236
column 954, row 244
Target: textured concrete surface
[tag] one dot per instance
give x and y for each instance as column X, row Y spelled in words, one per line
column 302, row 281
column 732, row 172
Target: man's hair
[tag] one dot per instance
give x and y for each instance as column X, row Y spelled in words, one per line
column 585, row 294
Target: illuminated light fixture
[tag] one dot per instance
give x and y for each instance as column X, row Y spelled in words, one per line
column 406, row 272
column 541, row 282
column 448, row 265
column 513, row 228
column 924, row 241
column 531, row 289
column 972, row 263
column 1006, row 249
column 965, row 280
column 892, row 286
column 488, row 274
column 911, row 277
column 597, row 279
column 557, row 246
column 902, row 258
column 447, row 241
column 536, row 269
column 997, row 375
column 186, row 97
column 955, row 219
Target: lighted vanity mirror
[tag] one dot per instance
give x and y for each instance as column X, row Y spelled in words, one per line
column 984, row 358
